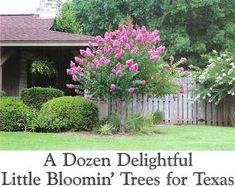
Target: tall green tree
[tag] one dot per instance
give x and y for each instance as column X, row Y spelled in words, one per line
column 67, row 21
column 188, row 27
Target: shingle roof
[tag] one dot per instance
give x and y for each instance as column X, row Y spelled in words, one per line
column 30, row 27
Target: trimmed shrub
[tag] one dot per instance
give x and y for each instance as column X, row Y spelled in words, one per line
column 73, row 113
column 14, row 114
column 35, row 97
column 2, row 94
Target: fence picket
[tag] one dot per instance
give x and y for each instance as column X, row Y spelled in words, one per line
column 177, row 109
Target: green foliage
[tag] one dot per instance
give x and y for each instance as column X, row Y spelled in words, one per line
column 47, row 123
column 218, row 79
column 134, row 123
column 43, row 67
column 35, row 97
column 105, row 129
column 14, row 114
column 74, row 113
column 2, row 93
column 157, row 117
column 66, row 21
column 113, row 121
column 188, row 28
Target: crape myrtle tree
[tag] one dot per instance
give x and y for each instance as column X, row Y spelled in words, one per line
column 126, row 61
column 187, row 27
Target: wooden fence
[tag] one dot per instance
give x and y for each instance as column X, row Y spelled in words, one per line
column 179, row 108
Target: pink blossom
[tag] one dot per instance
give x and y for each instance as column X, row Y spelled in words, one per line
column 133, row 32
column 124, row 38
column 143, row 29
column 127, row 46
column 131, row 90
column 107, row 37
column 79, row 60
column 90, row 44
column 82, row 52
column 118, row 53
column 72, row 64
column 70, row 86
column 86, row 52
column 183, row 60
column 143, row 82
column 119, row 73
column 160, row 49
column 99, row 40
column 112, row 87
column 108, row 50
column 79, row 69
column 139, row 38
column 154, row 57
column 104, row 60
column 116, row 43
column 113, row 71
column 154, row 54
column 98, row 52
column 76, row 91
column 113, row 34
column 156, row 39
column 74, row 77
column 118, row 66
column 129, row 63
column 74, row 70
column 68, row 71
column 134, row 50
column 96, row 63
column 86, row 96
column 134, row 67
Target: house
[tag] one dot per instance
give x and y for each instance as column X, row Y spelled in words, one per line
column 23, row 37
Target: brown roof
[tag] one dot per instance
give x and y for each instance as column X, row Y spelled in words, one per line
column 29, row 27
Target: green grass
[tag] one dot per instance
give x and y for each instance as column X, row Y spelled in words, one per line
column 170, row 138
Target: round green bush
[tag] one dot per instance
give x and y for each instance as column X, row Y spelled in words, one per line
column 13, row 114
column 35, row 97
column 73, row 113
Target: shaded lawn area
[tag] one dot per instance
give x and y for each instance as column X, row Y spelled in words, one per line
column 170, row 138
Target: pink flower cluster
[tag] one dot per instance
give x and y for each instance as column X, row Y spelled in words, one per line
column 132, row 66
column 118, row 53
column 131, row 40
column 154, row 54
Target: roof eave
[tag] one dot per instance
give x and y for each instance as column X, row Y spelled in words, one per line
column 45, row 43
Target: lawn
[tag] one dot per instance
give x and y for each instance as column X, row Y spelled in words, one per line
column 169, row 138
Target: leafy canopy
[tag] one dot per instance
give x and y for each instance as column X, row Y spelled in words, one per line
column 66, row 21
column 188, row 27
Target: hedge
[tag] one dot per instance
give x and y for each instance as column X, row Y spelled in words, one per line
column 13, row 114
column 71, row 113
column 35, row 97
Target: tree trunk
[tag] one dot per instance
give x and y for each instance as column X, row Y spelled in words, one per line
column 123, row 106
